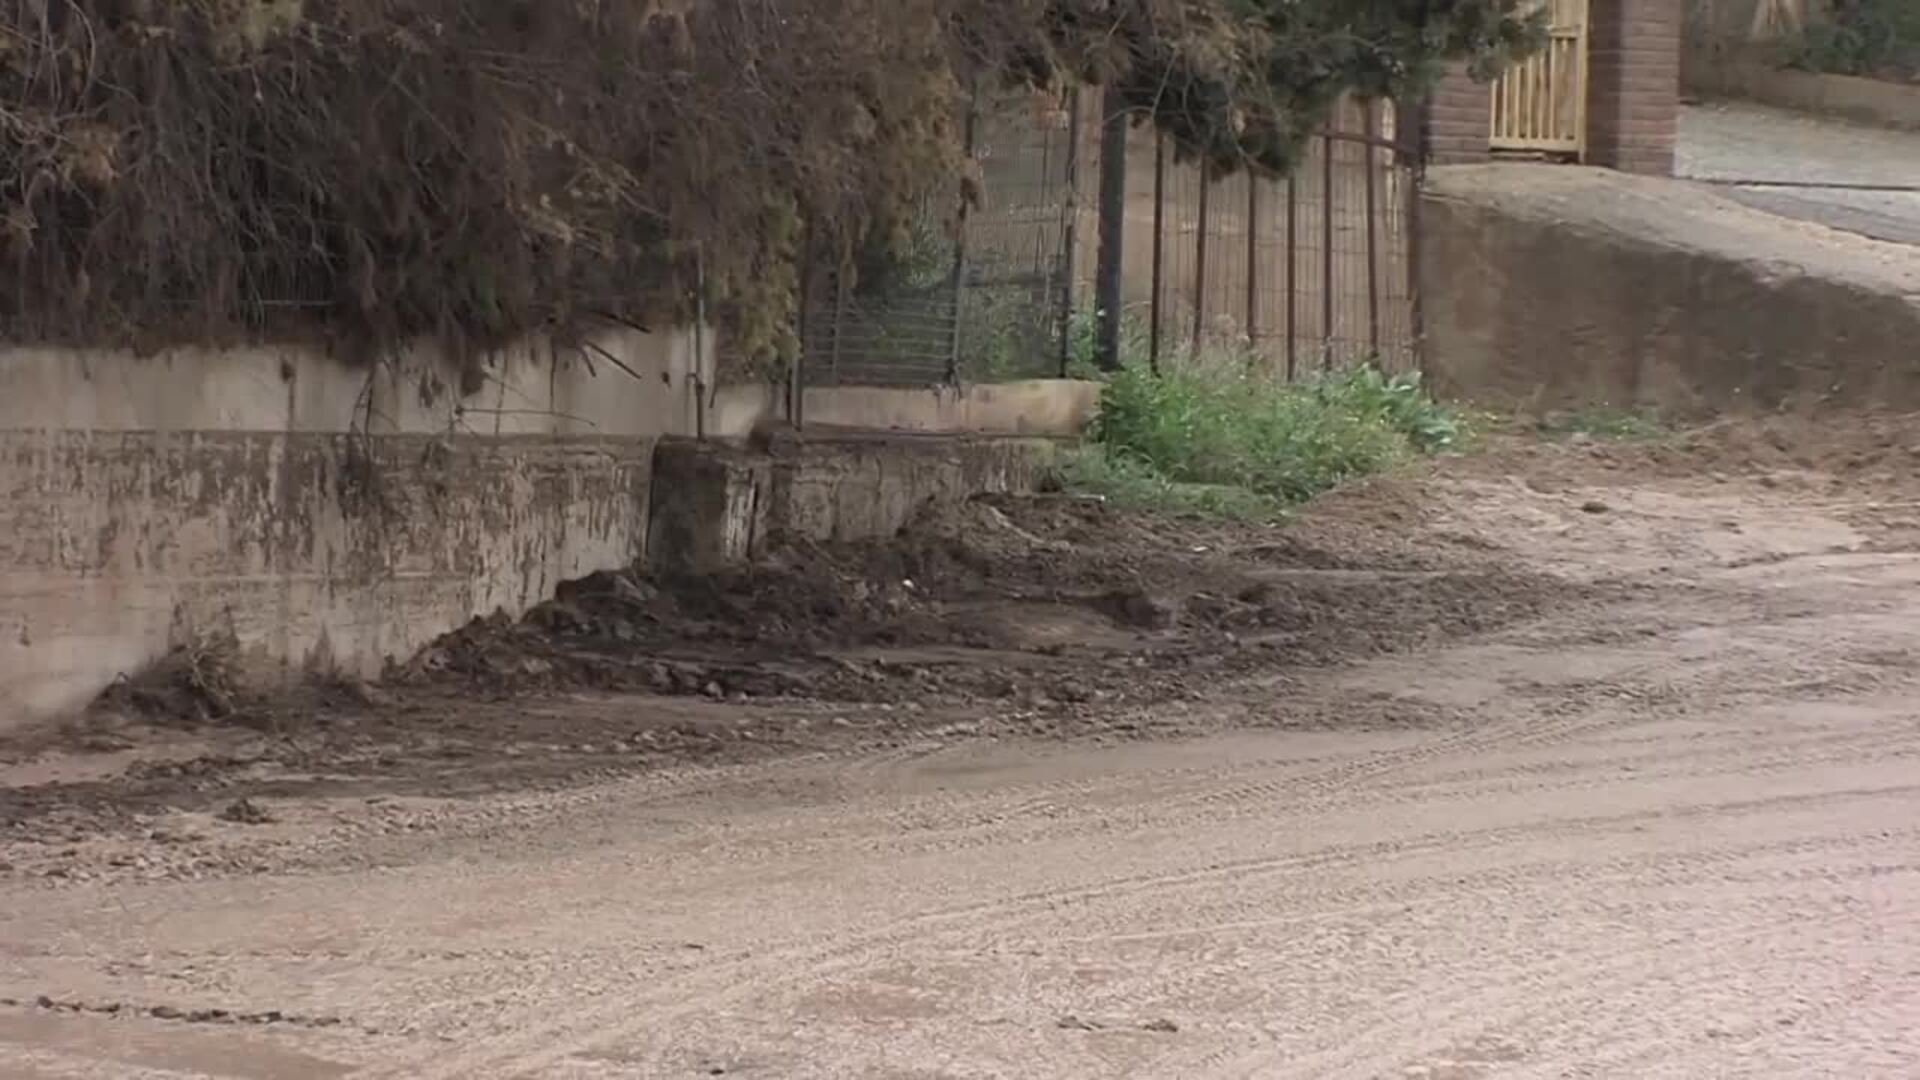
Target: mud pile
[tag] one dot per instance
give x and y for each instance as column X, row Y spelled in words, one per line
column 1048, row 598
column 1042, row 617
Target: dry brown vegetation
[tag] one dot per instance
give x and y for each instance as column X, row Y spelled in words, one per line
column 371, row 171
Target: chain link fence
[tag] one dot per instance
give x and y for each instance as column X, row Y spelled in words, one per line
column 979, row 302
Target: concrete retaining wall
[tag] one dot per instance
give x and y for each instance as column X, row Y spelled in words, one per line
column 531, row 390
column 338, row 516
column 316, row 551
column 858, row 487
column 1549, row 288
column 717, row 504
column 1046, row 407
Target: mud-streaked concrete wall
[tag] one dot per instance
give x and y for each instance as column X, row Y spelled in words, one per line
column 330, row 514
column 531, row 389
column 1042, row 407
column 1558, row 287
column 337, row 516
column 315, row 551
column 718, row 504
column 857, row 486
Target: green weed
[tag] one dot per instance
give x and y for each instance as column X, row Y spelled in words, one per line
column 1604, row 422
column 1874, row 38
column 1137, row 485
column 1213, row 434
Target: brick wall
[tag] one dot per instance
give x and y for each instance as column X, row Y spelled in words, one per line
column 1633, row 94
column 1459, row 120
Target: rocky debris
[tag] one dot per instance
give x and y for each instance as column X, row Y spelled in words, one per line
column 244, row 811
column 992, row 599
column 197, row 681
column 169, row 1012
column 1137, row 608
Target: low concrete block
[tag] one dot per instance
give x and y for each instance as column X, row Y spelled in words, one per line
column 710, row 504
column 857, row 487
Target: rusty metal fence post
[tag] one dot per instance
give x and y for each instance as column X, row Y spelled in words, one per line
column 1070, row 248
column 1200, row 257
column 1373, row 249
column 1293, row 269
column 1326, row 253
column 1416, row 311
column 968, row 135
column 796, row 378
column 1253, row 267
column 1158, row 284
column 1110, row 267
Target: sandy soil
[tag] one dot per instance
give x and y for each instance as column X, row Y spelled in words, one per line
column 1570, row 759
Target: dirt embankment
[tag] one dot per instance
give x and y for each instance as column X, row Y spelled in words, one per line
column 1034, row 615
column 1048, row 615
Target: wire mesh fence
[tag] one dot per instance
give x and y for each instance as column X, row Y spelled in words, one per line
column 1301, row 273
column 978, row 293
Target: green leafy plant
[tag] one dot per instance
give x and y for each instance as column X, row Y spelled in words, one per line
column 1135, row 484
column 1604, row 422
column 1216, row 433
column 1860, row 37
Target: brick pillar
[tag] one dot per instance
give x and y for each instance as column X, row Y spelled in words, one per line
column 1633, row 87
column 1459, row 119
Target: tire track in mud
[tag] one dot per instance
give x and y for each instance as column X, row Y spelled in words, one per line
column 846, row 960
column 1614, row 978
column 1528, row 733
column 1051, row 812
column 1065, row 821
column 1493, row 1006
column 57, row 1066
column 811, row 964
column 1533, row 729
column 1159, row 796
column 1445, row 890
column 1647, row 1050
column 1069, row 799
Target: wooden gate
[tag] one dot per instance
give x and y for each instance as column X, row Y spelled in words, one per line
column 1540, row 104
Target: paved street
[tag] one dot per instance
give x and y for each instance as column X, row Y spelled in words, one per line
column 1732, row 141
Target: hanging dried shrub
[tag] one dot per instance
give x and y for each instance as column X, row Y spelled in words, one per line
column 370, row 172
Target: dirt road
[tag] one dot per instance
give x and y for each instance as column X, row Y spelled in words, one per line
column 1666, row 830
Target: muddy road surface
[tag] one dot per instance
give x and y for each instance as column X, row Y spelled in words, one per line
column 1655, row 813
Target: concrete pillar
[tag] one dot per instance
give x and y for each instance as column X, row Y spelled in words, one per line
column 1633, row 87
column 709, row 506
